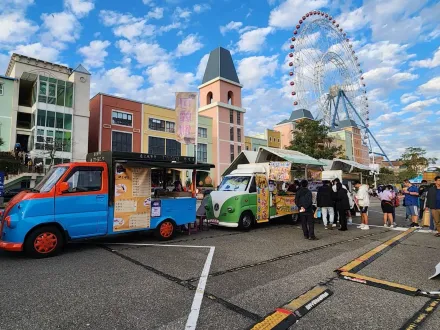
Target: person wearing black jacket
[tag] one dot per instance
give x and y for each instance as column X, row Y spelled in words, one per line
column 325, row 201
column 305, row 205
column 342, row 205
column 433, row 203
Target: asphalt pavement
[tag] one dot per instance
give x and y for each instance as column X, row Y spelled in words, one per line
column 136, row 282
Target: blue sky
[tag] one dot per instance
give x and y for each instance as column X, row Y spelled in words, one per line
column 149, row 49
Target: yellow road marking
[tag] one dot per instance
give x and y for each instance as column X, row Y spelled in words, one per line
column 305, row 298
column 375, row 280
column 271, row 321
column 356, row 262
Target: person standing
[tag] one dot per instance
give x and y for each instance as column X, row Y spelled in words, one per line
column 342, row 205
column 386, row 197
column 411, row 201
column 305, row 205
column 325, row 201
column 363, row 198
column 433, row 203
column 423, row 191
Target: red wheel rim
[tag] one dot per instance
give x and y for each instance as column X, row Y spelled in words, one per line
column 45, row 242
column 166, row 229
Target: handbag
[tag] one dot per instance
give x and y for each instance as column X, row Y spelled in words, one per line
column 317, row 213
column 426, row 218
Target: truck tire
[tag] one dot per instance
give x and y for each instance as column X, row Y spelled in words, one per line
column 246, row 221
column 165, row 230
column 44, row 242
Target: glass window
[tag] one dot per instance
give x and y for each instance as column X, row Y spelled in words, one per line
column 202, row 152
column 121, row 141
column 34, row 93
column 67, row 121
column 51, row 179
column 170, row 127
column 52, row 90
column 43, row 78
column 203, row 132
column 59, row 120
column 1, row 89
column 231, row 116
column 43, row 88
column 41, row 117
column 59, row 140
column 61, row 92
column 156, row 146
column 234, row 183
column 122, row 118
column 49, row 133
column 50, row 119
column 156, row 124
column 84, row 180
column 67, row 142
column 69, row 94
column 173, row 148
column 238, row 118
column 239, row 134
column 232, row 153
column 231, row 134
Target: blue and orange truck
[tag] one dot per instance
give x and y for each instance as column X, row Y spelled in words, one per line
column 109, row 194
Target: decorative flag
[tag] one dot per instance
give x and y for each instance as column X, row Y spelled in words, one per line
column 186, row 111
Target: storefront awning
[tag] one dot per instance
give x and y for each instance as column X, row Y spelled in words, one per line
column 348, row 166
column 267, row 154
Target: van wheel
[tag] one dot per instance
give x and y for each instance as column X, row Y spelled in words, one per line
column 44, row 242
column 165, row 230
column 246, row 221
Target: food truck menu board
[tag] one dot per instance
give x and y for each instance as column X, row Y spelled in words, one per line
column 262, row 198
column 279, row 171
column 285, row 205
column 132, row 198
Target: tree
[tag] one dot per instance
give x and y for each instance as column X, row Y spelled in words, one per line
column 50, row 147
column 311, row 138
column 415, row 160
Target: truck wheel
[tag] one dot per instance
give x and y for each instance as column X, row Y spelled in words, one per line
column 165, row 230
column 44, row 242
column 246, row 221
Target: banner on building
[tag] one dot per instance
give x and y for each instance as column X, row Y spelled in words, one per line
column 186, row 111
column 279, row 171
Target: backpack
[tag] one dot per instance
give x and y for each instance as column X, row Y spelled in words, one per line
column 396, row 201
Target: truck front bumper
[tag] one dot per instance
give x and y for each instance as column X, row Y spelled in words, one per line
column 7, row 246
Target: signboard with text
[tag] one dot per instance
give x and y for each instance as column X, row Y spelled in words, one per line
column 186, row 111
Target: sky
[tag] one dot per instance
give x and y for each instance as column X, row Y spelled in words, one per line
column 147, row 50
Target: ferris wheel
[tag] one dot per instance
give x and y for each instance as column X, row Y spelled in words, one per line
column 325, row 74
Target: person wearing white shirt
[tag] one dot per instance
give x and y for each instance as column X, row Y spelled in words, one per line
column 386, row 197
column 363, row 199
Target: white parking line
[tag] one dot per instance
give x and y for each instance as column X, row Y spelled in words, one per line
column 193, row 317
column 424, row 231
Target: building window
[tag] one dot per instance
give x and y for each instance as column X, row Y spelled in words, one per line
column 239, row 134
column 231, row 116
column 156, row 146
column 238, row 118
column 1, row 89
column 270, row 139
column 157, row 124
column 238, row 150
column 202, row 152
column 121, row 141
column 122, row 118
column 170, row 127
column 232, row 153
column 231, row 133
column 53, row 91
column 247, row 148
column 230, row 98
column 278, row 140
column 203, row 132
column 173, row 148
column 209, row 98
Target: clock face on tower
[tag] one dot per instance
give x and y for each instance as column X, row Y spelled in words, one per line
column 82, row 79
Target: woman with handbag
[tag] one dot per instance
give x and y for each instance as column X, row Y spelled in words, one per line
column 387, row 197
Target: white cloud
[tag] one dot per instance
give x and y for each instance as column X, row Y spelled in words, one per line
column 112, row 18
column 252, row 41
column 80, row 7
column 383, row 53
column 428, row 63
column 95, row 53
column 14, row 6
column 230, row 27
column 189, row 45
column 200, row 8
column 252, row 70
column 353, row 21
column 62, row 27
column 118, row 75
column 134, row 30
column 15, row 28
column 400, row 77
column 287, row 14
column 4, row 61
column 420, row 105
column 379, row 74
column 156, row 13
column 159, row 73
column 148, row 2
column 183, row 13
column 431, row 87
column 145, row 53
column 202, row 66
column 408, row 97
column 37, row 50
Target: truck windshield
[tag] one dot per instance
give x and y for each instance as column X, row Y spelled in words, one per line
column 51, row 178
column 234, row 183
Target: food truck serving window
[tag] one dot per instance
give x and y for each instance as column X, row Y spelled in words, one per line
column 234, row 183
column 51, row 178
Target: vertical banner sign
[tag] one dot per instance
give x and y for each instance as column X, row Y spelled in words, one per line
column 2, row 184
column 186, row 111
column 132, row 198
column 262, row 198
column 279, row 171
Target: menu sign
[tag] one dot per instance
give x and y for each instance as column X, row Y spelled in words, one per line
column 262, row 198
column 186, row 110
column 279, row 171
column 132, row 198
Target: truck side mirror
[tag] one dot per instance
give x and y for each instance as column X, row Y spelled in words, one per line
column 62, row 187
